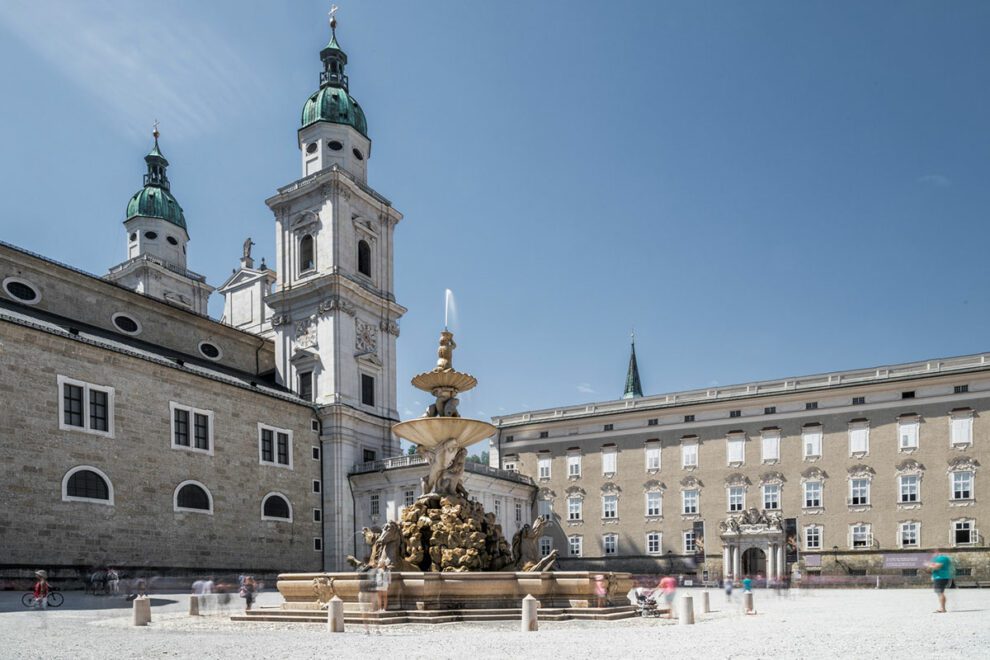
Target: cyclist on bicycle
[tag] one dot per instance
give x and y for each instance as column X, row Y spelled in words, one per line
column 41, row 590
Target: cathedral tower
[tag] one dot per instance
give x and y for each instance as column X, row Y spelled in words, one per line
column 334, row 313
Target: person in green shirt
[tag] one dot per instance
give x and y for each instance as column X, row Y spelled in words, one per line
column 941, row 565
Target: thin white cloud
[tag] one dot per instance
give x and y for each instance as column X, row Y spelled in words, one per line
column 481, row 413
column 585, row 388
column 937, row 180
column 139, row 61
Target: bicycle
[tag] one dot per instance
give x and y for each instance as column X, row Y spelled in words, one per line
column 54, row 598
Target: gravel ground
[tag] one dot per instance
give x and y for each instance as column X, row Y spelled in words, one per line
column 815, row 624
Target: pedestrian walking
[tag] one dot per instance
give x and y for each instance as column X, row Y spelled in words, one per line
column 601, row 590
column 942, row 574
column 41, row 588
column 383, row 578
column 728, row 588
column 248, row 589
column 747, row 584
column 668, row 585
column 113, row 581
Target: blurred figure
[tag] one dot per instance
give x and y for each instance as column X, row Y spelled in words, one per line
column 41, row 588
column 728, row 588
column 113, row 580
column 601, row 590
column 747, row 584
column 382, row 580
column 942, row 570
column 248, row 589
column 367, row 595
column 668, row 585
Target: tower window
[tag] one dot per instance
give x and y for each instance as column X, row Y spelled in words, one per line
column 311, row 147
column 364, row 258
column 357, row 154
column 307, row 260
column 21, row 290
column 150, row 235
column 171, row 240
column 335, row 145
column 367, row 390
column 306, row 385
column 126, row 323
column 210, row 350
column 133, row 236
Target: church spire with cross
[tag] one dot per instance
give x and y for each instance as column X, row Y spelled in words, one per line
column 633, row 388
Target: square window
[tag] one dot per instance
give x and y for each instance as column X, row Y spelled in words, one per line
column 812, row 538
column 770, row 410
column 201, row 429
column 545, row 509
column 574, row 508
column 367, row 390
column 771, row 496
column 960, row 389
column 610, row 506
column 861, row 536
column 812, row 494
column 653, row 544
column 544, row 434
column 735, row 413
column 654, row 504
column 690, row 543
column 317, row 515
column 907, row 395
column 608, row 427
column 192, row 429
column 652, row 422
column 688, row 419
column 180, row 427
column 689, row 500
column 369, row 455
column 85, row 407
column 909, row 487
column 859, row 492
column 316, row 485
column 811, row 405
column 610, row 544
column 72, row 405
column 737, row 499
column 510, row 438
column 316, row 453
column 962, row 532
column 962, row 485
column 858, row 400
column 314, row 425
column 909, row 534
column 574, row 544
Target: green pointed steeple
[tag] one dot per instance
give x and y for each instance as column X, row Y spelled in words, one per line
column 333, row 102
column 155, row 199
column 633, row 388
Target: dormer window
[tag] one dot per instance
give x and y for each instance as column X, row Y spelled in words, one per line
column 307, row 258
column 364, row 258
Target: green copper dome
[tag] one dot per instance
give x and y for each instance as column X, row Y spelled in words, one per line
column 155, row 200
column 333, row 102
column 335, row 105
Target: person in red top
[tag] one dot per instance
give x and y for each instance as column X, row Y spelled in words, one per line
column 41, row 590
column 668, row 585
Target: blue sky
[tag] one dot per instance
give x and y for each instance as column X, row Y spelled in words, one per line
column 760, row 189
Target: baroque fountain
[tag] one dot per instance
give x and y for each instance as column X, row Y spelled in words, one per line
column 445, row 552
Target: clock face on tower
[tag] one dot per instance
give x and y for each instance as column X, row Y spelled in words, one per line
column 367, row 337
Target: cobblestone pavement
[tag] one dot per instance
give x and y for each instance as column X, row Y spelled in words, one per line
column 830, row 623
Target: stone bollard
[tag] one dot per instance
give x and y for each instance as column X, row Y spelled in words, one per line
column 194, row 605
column 335, row 615
column 142, row 611
column 748, row 603
column 705, row 603
column 685, row 616
column 529, row 605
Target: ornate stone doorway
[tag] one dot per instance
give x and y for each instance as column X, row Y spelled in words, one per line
column 754, row 562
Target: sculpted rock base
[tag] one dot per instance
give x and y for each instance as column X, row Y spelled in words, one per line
column 451, row 533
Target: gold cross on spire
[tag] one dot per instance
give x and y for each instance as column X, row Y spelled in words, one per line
column 333, row 18
column 155, row 132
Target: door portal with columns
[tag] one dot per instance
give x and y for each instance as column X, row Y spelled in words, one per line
column 753, row 543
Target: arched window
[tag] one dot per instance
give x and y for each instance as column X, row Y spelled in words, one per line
column 87, row 484
column 364, row 258
column 275, row 506
column 193, row 496
column 307, row 256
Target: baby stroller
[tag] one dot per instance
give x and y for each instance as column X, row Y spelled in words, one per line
column 646, row 601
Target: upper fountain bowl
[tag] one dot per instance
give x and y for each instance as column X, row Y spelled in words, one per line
column 451, row 379
column 431, row 431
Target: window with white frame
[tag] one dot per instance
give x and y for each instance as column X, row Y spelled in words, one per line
column 574, row 465
column 543, row 466
column 690, row 542
column 735, row 449
column 770, row 446
column 689, row 455
column 410, row 497
column 860, row 536
column 813, row 537
column 274, row 446
column 610, row 506
column 519, row 510
column 961, row 427
column 608, row 460
column 574, row 508
column 574, row 546
column 654, row 504
column 962, row 485
column 963, row 532
column 771, row 496
column 859, row 437
column 544, row 508
column 85, row 483
column 85, row 407
column 546, row 545
column 509, row 465
column 908, row 487
column 811, row 441
column 859, row 492
column 375, row 505
column 653, row 456
column 610, row 544
column 653, row 543
column 192, row 428
column 908, row 433
column 812, row 494
column 689, row 500
column 908, row 534
column 737, row 498
column 498, row 508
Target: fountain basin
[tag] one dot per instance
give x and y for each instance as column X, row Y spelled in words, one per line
column 431, row 431
column 451, row 379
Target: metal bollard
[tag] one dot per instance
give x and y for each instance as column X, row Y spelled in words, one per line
column 705, row 603
column 748, row 603
column 194, row 605
column 335, row 615
column 142, row 611
column 529, row 622
column 685, row 616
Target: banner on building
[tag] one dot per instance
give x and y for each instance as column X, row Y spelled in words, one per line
column 699, row 540
column 792, row 539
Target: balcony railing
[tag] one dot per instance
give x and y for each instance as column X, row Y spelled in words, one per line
column 395, row 462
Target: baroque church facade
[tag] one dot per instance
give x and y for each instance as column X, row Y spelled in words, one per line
column 165, row 440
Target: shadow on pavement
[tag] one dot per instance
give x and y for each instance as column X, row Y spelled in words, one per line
column 10, row 601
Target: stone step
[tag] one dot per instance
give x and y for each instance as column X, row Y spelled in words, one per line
column 392, row 617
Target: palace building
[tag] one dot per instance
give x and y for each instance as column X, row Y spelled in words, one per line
column 860, row 472
column 139, row 432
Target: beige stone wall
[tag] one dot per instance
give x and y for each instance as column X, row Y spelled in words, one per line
column 38, row 528
column 935, row 398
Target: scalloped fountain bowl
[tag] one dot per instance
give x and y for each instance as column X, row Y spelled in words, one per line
column 457, row 380
column 431, row 431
